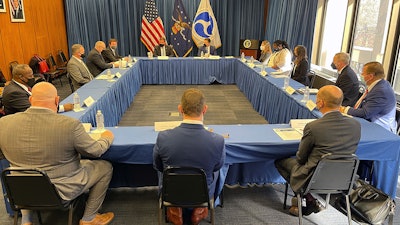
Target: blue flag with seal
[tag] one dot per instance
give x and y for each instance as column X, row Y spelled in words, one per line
column 181, row 34
column 205, row 25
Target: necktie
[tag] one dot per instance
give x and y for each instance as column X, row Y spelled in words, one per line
column 361, row 99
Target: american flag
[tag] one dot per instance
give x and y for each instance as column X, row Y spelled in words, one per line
column 152, row 26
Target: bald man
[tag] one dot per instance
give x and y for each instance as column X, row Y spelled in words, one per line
column 41, row 138
column 95, row 61
column 333, row 133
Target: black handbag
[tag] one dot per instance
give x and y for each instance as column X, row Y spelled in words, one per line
column 374, row 205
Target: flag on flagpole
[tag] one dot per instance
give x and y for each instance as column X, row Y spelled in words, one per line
column 205, row 25
column 181, row 34
column 152, row 26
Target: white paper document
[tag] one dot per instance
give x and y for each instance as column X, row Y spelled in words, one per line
column 160, row 126
column 288, row 134
column 299, row 124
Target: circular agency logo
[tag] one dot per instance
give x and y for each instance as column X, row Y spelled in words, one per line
column 247, row 43
column 203, row 25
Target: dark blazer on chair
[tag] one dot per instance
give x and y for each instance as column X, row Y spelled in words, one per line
column 348, row 82
column 378, row 106
column 96, row 63
column 110, row 56
column 169, row 51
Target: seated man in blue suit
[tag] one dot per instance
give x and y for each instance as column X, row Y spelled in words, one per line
column 378, row 103
column 207, row 48
column 190, row 144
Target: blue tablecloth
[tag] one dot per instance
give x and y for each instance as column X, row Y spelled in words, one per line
column 251, row 149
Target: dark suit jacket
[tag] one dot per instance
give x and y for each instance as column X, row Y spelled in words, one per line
column 333, row 133
column 213, row 51
column 15, row 98
column 300, row 71
column 95, row 62
column 378, row 106
column 109, row 56
column 169, row 51
column 190, row 145
column 348, row 82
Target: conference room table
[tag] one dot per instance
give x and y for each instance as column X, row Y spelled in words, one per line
column 250, row 149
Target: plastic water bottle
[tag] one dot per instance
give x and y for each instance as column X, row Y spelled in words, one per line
column 129, row 58
column 77, row 100
column 286, row 82
column 202, row 54
column 252, row 60
column 120, row 64
column 109, row 75
column 99, row 120
column 242, row 56
column 306, row 96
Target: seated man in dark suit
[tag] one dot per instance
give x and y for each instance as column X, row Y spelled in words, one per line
column 190, row 144
column 378, row 103
column 207, row 48
column 16, row 94
column 95, row 61
column 110, row 54
column 162, row 49
column 347, row 79
column 41, row 138
column 333, row 133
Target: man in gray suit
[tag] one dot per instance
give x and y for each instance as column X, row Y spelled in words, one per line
column 77, row 69
column 95, row 61
column 41, row 138
column 333, row 133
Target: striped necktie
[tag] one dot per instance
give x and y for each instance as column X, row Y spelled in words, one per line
column 361, row 99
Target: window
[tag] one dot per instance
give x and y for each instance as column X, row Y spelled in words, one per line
column 370, row 34
column 333, row 30
column 396, row 80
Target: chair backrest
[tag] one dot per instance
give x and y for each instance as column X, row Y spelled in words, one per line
column 12, row 65
column 64, row 59
column 52, row 63
column 185, row 187
column 311, row 78
column 398, row 120
column 28, row 188
column 334, row 174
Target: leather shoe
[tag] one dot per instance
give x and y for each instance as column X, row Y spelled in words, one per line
column 174, row 215
column 294, row 210
column 99, row 219
column 199, row 214
column 312, row 207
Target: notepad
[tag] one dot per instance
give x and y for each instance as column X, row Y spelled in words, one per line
column 288, row 134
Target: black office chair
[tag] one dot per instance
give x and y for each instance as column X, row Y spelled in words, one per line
column 70, row 83
column 63, row 58
column 32, row 189
column 311, row 78
column 61, row 71
column 334, row 174
column 184, row 187
column 398, row 120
